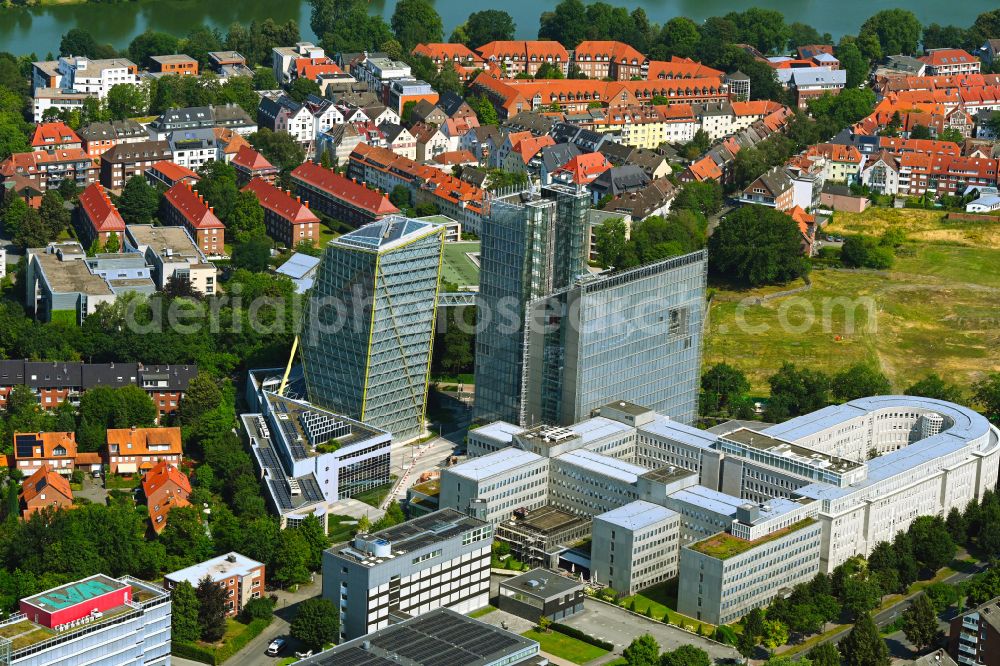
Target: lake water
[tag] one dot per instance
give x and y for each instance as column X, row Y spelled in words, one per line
column 39, row 29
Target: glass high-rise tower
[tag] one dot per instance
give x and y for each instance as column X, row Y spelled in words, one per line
column 633, row 335
column 531, row 245
column 368, row 327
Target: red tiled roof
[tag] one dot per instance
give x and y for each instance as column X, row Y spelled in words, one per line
column 455, row 157
column 192, row 206
column 30, row 162
column 160, row 474
column 941, row 57
column 529, row 146
column 617, row 51
column 835, row 152
column 680, row 68
column 928, row 146
column 53, row 134
column 251, row 160
column 757, row 108
column 345, row 189
column 174, row 172
column 97, row 206
column 49, row 442
column 44, row 478
column 311, row 68
column 280, row 202
column 524, row 50
column 448, row 52
column 584, row 169
column 672, row 112
column 706, row 169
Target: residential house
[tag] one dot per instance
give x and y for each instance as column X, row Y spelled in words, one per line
column 250, row 164
column 843, row 162
column 184, row 207
column 97, row 217
column 810, row 83
column 524, row 151
column 617, row 181
column 174, row 256
column 167, row 174
column 44, row 489
column 284, row 59
column 654, row 199
column 132, row 450
column 240, row 577
column 84, row 75
column 177, row 64
column 126, row 160
column 448, row 160
column 228, row 64
column 481, row 141
column 98, row 138
column 399, row 140
column 680, row 68
column 287, row 219
column 45, row 99
column 773, row 189
column 427, row 112
column 947, row 61
column 582, row 169
column 399, row 92
column 840, row 198
column 193, row 148
column 553, row 157
column 165, row 487
column 340, row 140
column 431, row 141
column 339, row 197
column 229, row 116
column 807, row 228
column 54, row 450
column 46, row 170
column 54, row 136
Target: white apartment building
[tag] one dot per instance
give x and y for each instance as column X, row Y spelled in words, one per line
column 55, row 98
column 440, row 560
column 83, row 75
column 634, row 546
column 283, row 59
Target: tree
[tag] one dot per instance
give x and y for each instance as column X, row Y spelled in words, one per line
column 549, row 71
column 775, row 634
column 416, row 22
column 184, row 613
column 316, row 623
column 938, row 36
column 932, row 386
column 345, row 25
column 252, row 254
column 302, row 88
column 802, row 34
column 202, row 395
column 824, row 654
column 258, row 608
column 865, row 252
column 920, row 132
column 566, row 24
column 897, row 31
column 723, row 388
column 488, row 25
column 79, row 42
column 54, row 213
column 246, row 219
column 686, row 655
column 32, row 231
column 126, row 100
column 864, row 646
column 678, row 37
column 280, row 148
column 610, row 241
column 756, row 245
column 484, row 109
column 400, row 197
column 796, row 391
column 311, row 530
column 218, row 185
column 853, row 63
column 139, row 201
column 291, row 558
column 764, row 29
column 858, row 381
column 704, row 197
column 920, row 622
column 149, row 44
column 932, row 545
column 212, row 608
column 642, row 651
column 263, row 79
column 986, row 394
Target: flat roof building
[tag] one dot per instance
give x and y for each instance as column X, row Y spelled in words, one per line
column 541, row 593
column 634, row 546
column 438, row 637
column 241, row 577
column 441, row 560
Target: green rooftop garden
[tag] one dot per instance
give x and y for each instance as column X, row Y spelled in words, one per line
column 723, row 546
column 432, row 487
column 331, row 445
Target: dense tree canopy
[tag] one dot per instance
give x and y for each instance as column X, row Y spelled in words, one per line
column 756, row 245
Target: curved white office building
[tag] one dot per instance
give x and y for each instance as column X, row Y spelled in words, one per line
column 929, row 456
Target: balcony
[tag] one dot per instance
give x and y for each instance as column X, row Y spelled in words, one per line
column 962, row 647
column 970, row 624
column 972, row 638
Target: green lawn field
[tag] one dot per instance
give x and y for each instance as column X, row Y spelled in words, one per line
column 457, row 267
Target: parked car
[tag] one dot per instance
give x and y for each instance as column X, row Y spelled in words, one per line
column 276, row 646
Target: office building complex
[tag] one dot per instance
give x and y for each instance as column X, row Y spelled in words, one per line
column 366, row 345
column 439, row 637
column 634, row 335
column 809, row 493
column 762, row 556
column 531, row 245
column 241, row 577
column 309, row 458
column 634, row 546
column 97, row 621
column 441, row 560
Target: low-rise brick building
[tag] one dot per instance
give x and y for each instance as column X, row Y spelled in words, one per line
column 45, row 488
column 184, row 207
column 241, row 577
column 165, row 488
column 97, row 217
column 56, row 450
column 132, row 450
column 288, row 220
column 339, row 197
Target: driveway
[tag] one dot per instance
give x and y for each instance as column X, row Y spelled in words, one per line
column 618, row 626
column 93, row 490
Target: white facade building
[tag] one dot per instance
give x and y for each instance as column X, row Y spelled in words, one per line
column 634, row 546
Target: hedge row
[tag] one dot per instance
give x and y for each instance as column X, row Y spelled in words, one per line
column 192, row 651
column 573, row 632
column 217, row 656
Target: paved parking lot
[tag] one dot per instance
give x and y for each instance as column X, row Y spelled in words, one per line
column 617, row 625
